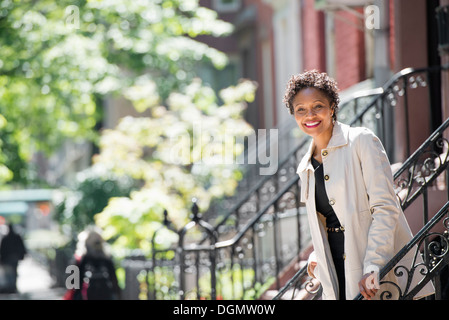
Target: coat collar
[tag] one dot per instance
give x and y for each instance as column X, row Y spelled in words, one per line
column 339, row 138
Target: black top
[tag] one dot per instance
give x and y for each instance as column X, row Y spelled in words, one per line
column 321, row 199
column 99, row 274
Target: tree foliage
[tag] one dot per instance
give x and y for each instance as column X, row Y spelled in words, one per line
column 187, row 149
column 58, row 59
column 93, row 189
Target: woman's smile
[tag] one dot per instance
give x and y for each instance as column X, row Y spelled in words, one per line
column 312, row 124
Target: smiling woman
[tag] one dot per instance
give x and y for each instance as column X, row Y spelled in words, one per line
column 355, row 220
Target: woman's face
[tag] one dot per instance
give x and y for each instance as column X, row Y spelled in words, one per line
column 313, row 113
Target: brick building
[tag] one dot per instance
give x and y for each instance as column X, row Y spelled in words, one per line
column 274, row 39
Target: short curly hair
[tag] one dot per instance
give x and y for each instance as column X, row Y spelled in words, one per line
column 312, row 79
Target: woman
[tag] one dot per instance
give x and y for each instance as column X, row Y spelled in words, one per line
column 98, row 280
column 355, row 220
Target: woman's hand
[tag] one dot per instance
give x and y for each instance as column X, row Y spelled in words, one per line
column 311, row 269
column 311, row 264
column 369, row 284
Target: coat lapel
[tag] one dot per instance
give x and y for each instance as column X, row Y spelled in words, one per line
column 339, row 135
column 339, row 138
column 305, row 163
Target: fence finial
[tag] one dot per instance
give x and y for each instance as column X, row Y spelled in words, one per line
column 196, row 216
column 166, row 222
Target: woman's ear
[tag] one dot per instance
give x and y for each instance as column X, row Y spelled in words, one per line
column 332, row 109
column 333, row 116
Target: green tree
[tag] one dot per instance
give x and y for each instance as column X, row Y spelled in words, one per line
column 58, row 59
column 186, row 149
column 90, row 195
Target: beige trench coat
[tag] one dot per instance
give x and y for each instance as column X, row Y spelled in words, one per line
column 359, row 186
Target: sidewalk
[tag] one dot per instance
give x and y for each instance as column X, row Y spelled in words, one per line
column 34, row 283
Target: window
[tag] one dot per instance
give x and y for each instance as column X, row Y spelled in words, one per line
column 226, row 5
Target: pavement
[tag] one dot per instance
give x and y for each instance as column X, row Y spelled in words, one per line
column 34, row 283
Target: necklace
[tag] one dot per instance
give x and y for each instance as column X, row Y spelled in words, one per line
column 316, row 164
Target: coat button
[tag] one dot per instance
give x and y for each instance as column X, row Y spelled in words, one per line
column 324, row 153
column 331, row 202
column 326, row 177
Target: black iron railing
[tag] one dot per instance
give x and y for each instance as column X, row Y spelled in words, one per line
column 238, row 268
column 397, row 94
column 436, row 260
column 208, row 248
column 300, row 281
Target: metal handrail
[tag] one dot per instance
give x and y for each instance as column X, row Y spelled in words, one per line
column 292, row 282
column 410, row 164
column 416, row 241
column 393, row 80
column 256, row 218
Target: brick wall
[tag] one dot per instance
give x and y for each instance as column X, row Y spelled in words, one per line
column 349, row 50
column 314, row 49
column 392, row 37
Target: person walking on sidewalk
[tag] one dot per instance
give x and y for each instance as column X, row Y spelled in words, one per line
column 98, row 280
column 12, row 250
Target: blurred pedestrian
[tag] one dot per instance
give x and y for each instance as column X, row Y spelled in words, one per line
column 12, row 250
column 98, row 280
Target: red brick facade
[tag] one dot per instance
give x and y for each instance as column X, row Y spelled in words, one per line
column 350, row 64
column 331, row 40
column 314, row 50
column 349, row 44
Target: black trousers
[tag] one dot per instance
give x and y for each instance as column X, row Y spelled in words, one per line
column 336, row 243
